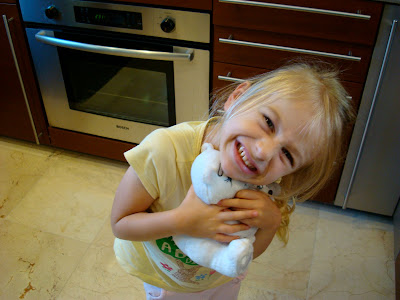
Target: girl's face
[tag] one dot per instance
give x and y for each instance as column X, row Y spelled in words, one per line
column 265, row 143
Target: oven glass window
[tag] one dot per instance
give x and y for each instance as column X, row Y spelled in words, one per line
column 140, row 90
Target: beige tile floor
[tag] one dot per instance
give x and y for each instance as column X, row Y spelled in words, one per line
column 56, row 242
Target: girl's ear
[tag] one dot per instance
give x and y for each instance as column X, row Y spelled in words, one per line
column 240, row 89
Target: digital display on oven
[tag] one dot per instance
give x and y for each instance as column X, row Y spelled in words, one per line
column 105, row 17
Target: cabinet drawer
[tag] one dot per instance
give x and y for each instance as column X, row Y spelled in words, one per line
column 270, row 50
column 354, row 21
column 224, row 74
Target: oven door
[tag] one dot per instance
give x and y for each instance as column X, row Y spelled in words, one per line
column 121, row 88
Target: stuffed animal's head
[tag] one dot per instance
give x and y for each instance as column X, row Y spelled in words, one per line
column 211, row 185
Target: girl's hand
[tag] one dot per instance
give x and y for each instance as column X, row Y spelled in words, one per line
column 195, row 218
column 268, row 214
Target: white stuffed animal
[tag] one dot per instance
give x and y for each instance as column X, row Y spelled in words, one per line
column 210, row 185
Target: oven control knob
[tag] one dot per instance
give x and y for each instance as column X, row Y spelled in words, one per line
column 52, row 12
column 167, row 25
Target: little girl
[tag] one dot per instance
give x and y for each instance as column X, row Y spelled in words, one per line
column 282, row 126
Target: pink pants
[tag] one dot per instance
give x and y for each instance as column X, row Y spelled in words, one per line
column 227, row 291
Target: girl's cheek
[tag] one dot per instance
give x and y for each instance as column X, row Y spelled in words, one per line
column 225, row 166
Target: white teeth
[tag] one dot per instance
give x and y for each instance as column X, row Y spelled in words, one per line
column 244, row 158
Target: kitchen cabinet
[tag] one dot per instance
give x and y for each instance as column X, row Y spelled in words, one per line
column 21, row 113
column 253, row 37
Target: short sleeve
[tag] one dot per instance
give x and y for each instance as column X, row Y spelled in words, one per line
column 154, row 161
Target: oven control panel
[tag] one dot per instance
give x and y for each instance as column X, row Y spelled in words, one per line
column 125, row 18
column 107, row 17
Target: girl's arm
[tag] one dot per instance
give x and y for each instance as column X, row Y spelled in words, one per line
column 130, row 221
column 263, row 240
column 267, row 218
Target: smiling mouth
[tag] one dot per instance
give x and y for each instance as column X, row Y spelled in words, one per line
column 245, row 159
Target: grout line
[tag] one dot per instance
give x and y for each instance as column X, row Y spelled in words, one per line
column 89, row 245
column 313, row 254
column 62, row 287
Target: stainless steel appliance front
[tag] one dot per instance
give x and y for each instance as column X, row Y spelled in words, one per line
column 370, row 178
column 118, row 71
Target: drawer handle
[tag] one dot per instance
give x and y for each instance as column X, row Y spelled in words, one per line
column 229, row 78
column 299, row 8
column 289, row 49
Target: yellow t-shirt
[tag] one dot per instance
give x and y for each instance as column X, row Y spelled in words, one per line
column 163, row 161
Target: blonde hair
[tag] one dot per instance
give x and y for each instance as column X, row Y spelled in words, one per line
column 317, row 83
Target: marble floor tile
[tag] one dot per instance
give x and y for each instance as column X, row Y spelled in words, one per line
column 284, row 270
column 21, row 166
column 353, row 257
column 99, row 276
column 72, row 198
column 24, row 146
column 247, row 293
column 35, row 264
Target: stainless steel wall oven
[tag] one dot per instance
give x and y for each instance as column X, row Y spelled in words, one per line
column 118, row 70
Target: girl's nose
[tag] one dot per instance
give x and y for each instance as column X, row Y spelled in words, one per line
column 266, row 149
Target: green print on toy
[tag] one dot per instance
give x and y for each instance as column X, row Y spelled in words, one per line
column 168, row 246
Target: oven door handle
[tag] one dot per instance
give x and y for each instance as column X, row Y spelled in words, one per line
column 47, row 38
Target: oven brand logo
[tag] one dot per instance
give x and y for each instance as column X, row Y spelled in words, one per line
column 122, row 127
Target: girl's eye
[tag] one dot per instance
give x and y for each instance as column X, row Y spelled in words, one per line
column 288, row 155
column 269, row 123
